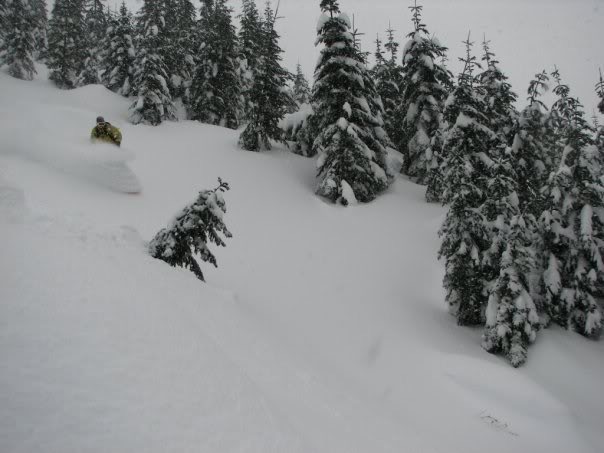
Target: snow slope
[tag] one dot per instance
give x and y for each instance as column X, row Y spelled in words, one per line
column 322, row 330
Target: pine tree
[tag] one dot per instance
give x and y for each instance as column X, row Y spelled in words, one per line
column 216, row 86
column 154, row 100
column 348, row 115
column 40, row 33
column 191, row 232
column 425, row 87
column 465, row 234
column 500, row 97
column 511, row 316
column 95, row 20
column 268, row 98
column 181, row 46
column 250, row 31
column 18, row 45
column 118, row 62
column 600, row 91
column 301, row 88
column 572, row 232
column 388, row 75
column 66, row 42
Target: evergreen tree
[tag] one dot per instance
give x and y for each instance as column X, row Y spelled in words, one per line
column 216, row 86
column 269, row 99
column 425, row 87
column 18, row 45
column 250, row 31
column 96, row 27
column 181, row 45
column 301, row 88
column 511, row 316
column 191, row 232
column 600, row 91
column 572, row 232
column 40, row 33
column 530, row 148
column 500, row 97
column 388, row 75
column 66, row 42
column 154, row 100
column 118, row 67
column 465, row 234
column 348, row 115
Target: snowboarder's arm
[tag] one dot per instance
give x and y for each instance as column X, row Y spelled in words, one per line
column 116, row 135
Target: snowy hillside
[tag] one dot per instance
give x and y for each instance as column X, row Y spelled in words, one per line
column 323, row 329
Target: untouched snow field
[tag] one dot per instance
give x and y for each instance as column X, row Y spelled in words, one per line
column 323, row 329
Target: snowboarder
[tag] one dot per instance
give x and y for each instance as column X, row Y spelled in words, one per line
column 105, row 132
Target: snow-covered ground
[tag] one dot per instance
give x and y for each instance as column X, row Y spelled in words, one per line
column 322, row 330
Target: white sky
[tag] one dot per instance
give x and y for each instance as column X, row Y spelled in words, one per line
column 526, row 35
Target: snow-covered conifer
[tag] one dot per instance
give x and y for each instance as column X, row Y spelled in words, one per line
column 18, row 44
column 388, row 75
column 348, row 116
column 95, row 20
column 192, row 231
column 600, row 91
column 66, row 42
column 465, row 234
column 153, row 103
column 572, row 230
column 216, row 86
column 118, row 63
column 301, row 88
column 500, row 97
column 511, row 316
column 41, row 29
column 425, row 87
column 181, row 46
column 250, row 31
column 268, row 97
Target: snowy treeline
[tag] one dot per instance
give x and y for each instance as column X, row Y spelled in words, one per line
column 523, row 238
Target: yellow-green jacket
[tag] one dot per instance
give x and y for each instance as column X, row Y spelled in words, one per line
column 106, row 133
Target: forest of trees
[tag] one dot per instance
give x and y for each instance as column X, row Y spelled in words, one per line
column 523, row 237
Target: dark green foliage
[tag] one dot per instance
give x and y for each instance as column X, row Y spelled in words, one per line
column 347, row 116
column 250, row 47
column 191, row 232
column 118, row 62
column 17, row 46
column 388, row 75
column 41, row 29
column 268, row 98
column 216, row 86
column 66, row 42
column 600, row 91
column 154, row 100
column 425, row 87
column 182, row 43
column 465, row 233
column 301, row 88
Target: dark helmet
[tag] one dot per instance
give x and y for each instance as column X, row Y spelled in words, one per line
column 100, row 119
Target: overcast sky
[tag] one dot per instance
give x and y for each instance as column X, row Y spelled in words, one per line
column 526, row 35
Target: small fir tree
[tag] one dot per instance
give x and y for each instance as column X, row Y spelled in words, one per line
column 389, row 80
column 600, row 92
column 572, row 232
column 268, row 98
column 250, row 31
column 192, row 231
column 154, row 101
column 465, row 234
column 118, row 68
column 18, row 45
column 66, row 42
column 348, row 116
column 216, row 86
column 426, row 85
column 301, row 88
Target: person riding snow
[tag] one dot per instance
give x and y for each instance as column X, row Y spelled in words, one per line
column 105, row 132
